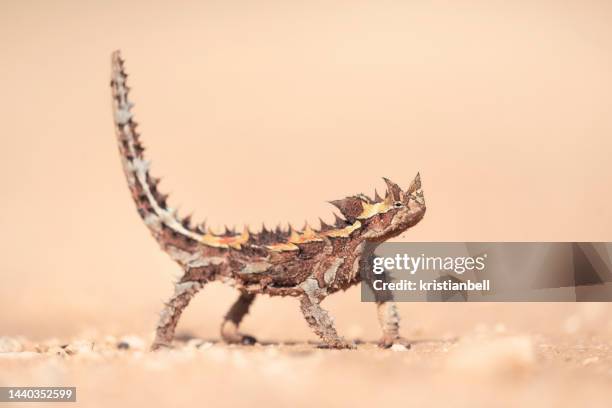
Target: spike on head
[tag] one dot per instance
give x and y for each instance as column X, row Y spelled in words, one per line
column 377, row 197
column 393, row 190
column 364, row 198
column 415, row 185
column 398, row 212
column 350, row 207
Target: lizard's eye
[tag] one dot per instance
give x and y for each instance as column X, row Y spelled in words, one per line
column 398, row 204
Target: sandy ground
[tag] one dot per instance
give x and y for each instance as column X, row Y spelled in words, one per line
column 547, row 358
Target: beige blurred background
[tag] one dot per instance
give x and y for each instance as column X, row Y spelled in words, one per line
column 262, row 111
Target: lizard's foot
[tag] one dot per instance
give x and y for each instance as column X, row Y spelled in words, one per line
column 389, row 341
column 229, row 327
column 340, row 344
column 231, row 335
column 157, row 345
column 239, row 338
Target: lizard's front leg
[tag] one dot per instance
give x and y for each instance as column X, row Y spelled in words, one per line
column 170, row 315
column 321, row 323
column 229, row 327
column 389, row 319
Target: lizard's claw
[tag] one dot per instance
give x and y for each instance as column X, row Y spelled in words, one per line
column 239, row 338
column 160, row 346
column 388, row 342
column 341, row 344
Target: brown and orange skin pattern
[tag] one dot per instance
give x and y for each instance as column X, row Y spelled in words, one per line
column 309, row 263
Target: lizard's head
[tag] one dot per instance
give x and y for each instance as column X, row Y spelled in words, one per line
column 386, row 218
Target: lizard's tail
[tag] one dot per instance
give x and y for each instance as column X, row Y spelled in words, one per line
column 165, row 225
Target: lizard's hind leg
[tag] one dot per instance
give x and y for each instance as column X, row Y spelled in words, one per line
column 170, row 315
column 231, row 322
column 321, row 323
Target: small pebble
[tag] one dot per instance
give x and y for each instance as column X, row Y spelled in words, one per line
column 10, row 345
column 57, row 351
column 131, row 342
column 79, row 347
column 194, row 343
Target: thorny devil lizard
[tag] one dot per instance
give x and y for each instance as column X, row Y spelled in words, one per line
column 309, row 264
